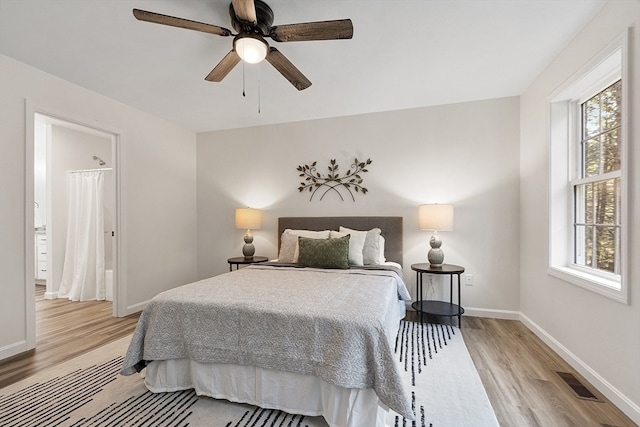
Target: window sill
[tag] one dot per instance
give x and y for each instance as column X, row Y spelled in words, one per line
column 600, row 285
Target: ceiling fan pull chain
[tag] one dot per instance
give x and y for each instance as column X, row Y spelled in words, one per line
column 243, row 80
column 259, row 98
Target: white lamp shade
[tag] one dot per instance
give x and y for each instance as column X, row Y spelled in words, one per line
column 435, row 217
column 250, row 49
column 248, row 219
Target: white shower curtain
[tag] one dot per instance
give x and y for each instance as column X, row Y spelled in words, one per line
column 83, row 271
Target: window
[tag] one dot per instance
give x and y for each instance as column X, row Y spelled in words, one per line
column 587, row 185
column 596, row 186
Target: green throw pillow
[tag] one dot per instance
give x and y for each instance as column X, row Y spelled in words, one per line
column 324, row 253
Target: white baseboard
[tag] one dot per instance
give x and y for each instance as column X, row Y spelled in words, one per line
column 13, row 349
column 621, row 401
column 484, row 312
column 491, row 313
column 136, row 307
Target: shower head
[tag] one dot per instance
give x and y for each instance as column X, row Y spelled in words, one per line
column 100, row 161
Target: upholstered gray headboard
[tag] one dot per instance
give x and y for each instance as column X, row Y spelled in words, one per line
column 391, row 227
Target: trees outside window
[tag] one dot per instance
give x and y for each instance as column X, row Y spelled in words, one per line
column 597, row 187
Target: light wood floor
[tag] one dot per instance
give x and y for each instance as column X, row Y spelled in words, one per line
column 516, row 368
column 64, row 330
column 518, row 372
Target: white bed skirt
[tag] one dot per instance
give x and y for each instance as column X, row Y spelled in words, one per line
column 266, row 388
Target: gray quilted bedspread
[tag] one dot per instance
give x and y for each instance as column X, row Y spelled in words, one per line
column 338, row 325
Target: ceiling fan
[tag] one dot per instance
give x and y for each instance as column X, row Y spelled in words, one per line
column 253, row 19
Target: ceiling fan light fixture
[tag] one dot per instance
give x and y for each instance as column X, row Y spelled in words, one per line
column 250, row 49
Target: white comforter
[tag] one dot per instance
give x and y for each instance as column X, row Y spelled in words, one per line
column 336, row 325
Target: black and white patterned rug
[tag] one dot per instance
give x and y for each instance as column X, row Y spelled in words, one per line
column 88, row 391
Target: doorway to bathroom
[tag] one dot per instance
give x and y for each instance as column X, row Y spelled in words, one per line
column 75, row 248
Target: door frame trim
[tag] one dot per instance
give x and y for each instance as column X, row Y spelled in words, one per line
column 119, row 243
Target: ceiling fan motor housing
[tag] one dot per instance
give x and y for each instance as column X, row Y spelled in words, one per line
column 264, row 15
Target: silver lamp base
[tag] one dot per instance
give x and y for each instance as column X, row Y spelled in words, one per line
column 435, row 255
column 248, row 249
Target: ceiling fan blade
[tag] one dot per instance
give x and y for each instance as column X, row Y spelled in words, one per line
column 158, row 18
column 321, row 30
column 220, row 71
column 245, row 10
column 287, row 69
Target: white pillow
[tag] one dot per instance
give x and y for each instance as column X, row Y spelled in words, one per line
column 356, row 245
column 372, row 248
column 382, row 259
column 289, row 242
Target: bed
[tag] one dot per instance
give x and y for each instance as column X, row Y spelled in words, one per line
column 286, row 335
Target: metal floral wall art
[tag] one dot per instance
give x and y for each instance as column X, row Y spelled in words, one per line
column 333, row 181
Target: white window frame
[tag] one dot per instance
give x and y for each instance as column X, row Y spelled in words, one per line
column 563, row 121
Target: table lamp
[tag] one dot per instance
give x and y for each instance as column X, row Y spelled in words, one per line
column 437, row 218
column 248, row 219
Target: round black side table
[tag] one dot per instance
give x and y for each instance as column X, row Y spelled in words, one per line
column 433, row 307
column 240, row 260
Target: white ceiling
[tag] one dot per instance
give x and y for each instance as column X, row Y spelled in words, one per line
column 404, row 54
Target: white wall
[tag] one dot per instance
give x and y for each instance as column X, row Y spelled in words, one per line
column 158, row 233
column 464, row 154
column 600, row 336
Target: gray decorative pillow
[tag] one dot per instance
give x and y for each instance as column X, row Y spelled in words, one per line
column 371, row 250
column 324, row 253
